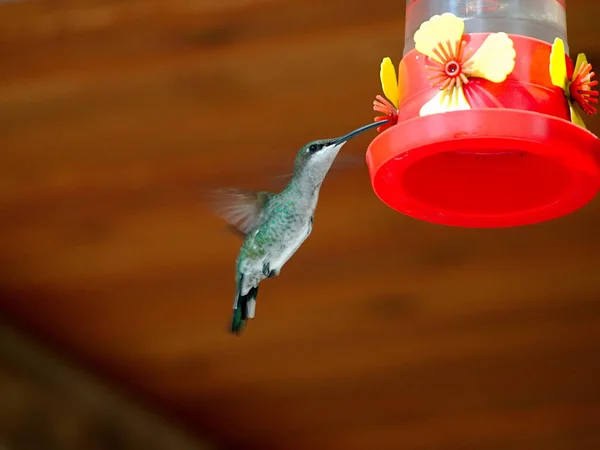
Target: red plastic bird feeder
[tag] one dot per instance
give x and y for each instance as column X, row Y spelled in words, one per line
column 486, row 110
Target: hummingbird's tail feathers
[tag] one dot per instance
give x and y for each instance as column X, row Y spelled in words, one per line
column 244, row 308
column 251, row 307
column 237, row 323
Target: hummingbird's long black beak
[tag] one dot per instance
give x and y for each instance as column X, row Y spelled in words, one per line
column 358, row 131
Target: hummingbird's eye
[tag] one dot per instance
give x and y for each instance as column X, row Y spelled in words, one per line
column 315, row 147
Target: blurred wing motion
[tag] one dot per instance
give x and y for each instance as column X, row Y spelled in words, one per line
column 242, row 209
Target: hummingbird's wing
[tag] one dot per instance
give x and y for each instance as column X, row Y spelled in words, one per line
column 241, row 208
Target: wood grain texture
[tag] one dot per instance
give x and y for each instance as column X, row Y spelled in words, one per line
column 381, row 333
column 49, row 404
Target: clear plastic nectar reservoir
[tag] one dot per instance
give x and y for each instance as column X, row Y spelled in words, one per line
column 537, row 19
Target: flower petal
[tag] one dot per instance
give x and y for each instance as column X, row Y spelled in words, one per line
column 576, row 117
column 446, row 27
column 389, row 81
column 558, row 65
column 444, row 102
column 495, row 59
column 581, row 61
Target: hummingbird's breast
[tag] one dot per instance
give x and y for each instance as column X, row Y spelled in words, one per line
column 274, row 242
column 291, row 239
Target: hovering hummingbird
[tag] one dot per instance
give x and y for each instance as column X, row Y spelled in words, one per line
column 275, row 225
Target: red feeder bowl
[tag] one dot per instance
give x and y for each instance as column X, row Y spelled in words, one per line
column 516, row 154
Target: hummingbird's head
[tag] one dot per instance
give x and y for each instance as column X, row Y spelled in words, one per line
column 319, row 155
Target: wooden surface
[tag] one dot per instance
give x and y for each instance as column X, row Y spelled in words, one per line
column 381, row 333
column 52, row 405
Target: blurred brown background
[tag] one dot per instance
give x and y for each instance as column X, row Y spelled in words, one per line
column 381, row 333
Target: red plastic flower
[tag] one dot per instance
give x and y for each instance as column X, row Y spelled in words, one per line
column 389, row 84
column 453, row 66
column 578, row 89
column 390, row 113
column 441, row 40
column 581, row 88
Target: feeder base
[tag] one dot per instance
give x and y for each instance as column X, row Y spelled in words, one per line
column 486, row 168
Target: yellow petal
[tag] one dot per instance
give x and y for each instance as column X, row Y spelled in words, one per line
column 558, row 65
column 495, row 59
column 581, row 61
column 576, row 117
column 389, row 81
column 446, row 27
column 443, row 103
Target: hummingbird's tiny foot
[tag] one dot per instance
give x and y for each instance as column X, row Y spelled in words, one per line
column 267, row 272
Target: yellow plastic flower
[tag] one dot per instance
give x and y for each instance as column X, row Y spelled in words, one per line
column 389, row 84
column 441, row 40
column 578, row 87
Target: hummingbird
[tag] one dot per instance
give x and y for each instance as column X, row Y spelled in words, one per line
column 275, row 225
